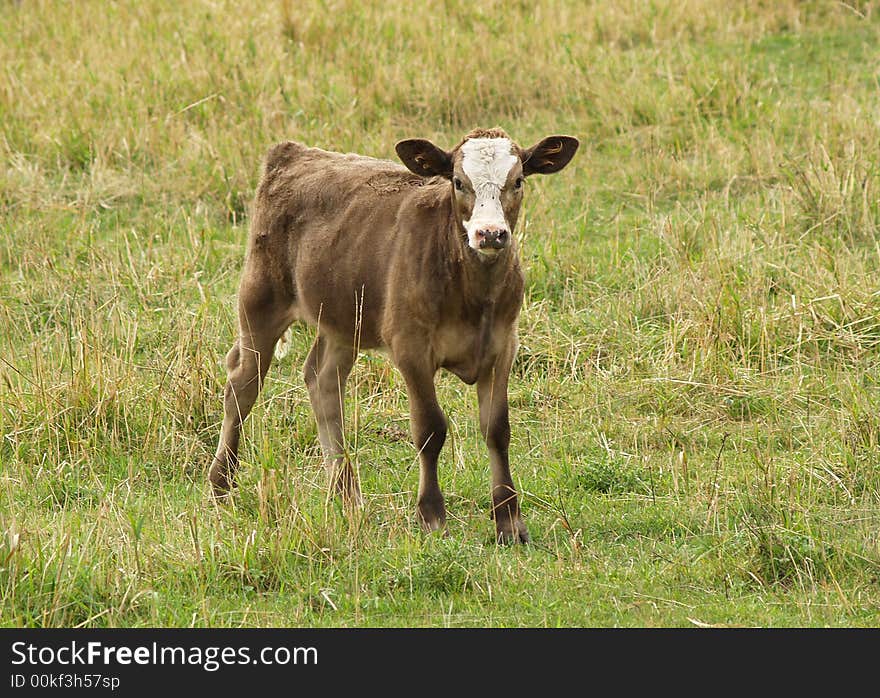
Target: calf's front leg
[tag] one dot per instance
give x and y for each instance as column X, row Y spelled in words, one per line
column 495, row 427
column 428, row 424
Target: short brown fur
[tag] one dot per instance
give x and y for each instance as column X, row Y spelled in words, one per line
column 375, row 256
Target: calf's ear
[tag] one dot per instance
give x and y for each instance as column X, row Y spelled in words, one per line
column 424, row 158
column 549, row 155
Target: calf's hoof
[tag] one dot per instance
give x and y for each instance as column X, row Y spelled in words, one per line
column 431, row 515
column 221, row 481
column 511, row 532
column 344, row 483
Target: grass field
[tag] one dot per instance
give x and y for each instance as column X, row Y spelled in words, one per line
column 695, row 405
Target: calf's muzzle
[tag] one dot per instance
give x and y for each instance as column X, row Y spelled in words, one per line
column 493, row 238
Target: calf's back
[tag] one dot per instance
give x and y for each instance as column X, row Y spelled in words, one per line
column 326, row 230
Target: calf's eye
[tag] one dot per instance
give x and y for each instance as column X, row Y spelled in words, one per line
column 518, row 183
column 458, row 185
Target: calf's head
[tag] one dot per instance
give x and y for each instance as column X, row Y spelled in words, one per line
column 487, row 171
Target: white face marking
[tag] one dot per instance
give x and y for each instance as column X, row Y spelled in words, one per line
column 487, row 163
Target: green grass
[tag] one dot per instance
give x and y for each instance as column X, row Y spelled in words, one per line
column 695, row 405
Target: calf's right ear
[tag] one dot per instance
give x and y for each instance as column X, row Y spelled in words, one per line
column 424, row 158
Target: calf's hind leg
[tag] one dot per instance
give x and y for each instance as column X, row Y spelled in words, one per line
column 261, row 323
column 326, row 371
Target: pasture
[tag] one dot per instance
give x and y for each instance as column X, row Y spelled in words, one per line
column 695, row 405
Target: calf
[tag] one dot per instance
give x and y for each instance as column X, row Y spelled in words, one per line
column 420, row 261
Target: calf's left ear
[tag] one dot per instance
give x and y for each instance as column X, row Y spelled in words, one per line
column 424, row 158
column 549, row 155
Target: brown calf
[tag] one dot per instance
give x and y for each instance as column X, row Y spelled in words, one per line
column 419, row 260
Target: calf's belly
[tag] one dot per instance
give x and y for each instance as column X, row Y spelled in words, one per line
column 340, row 296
